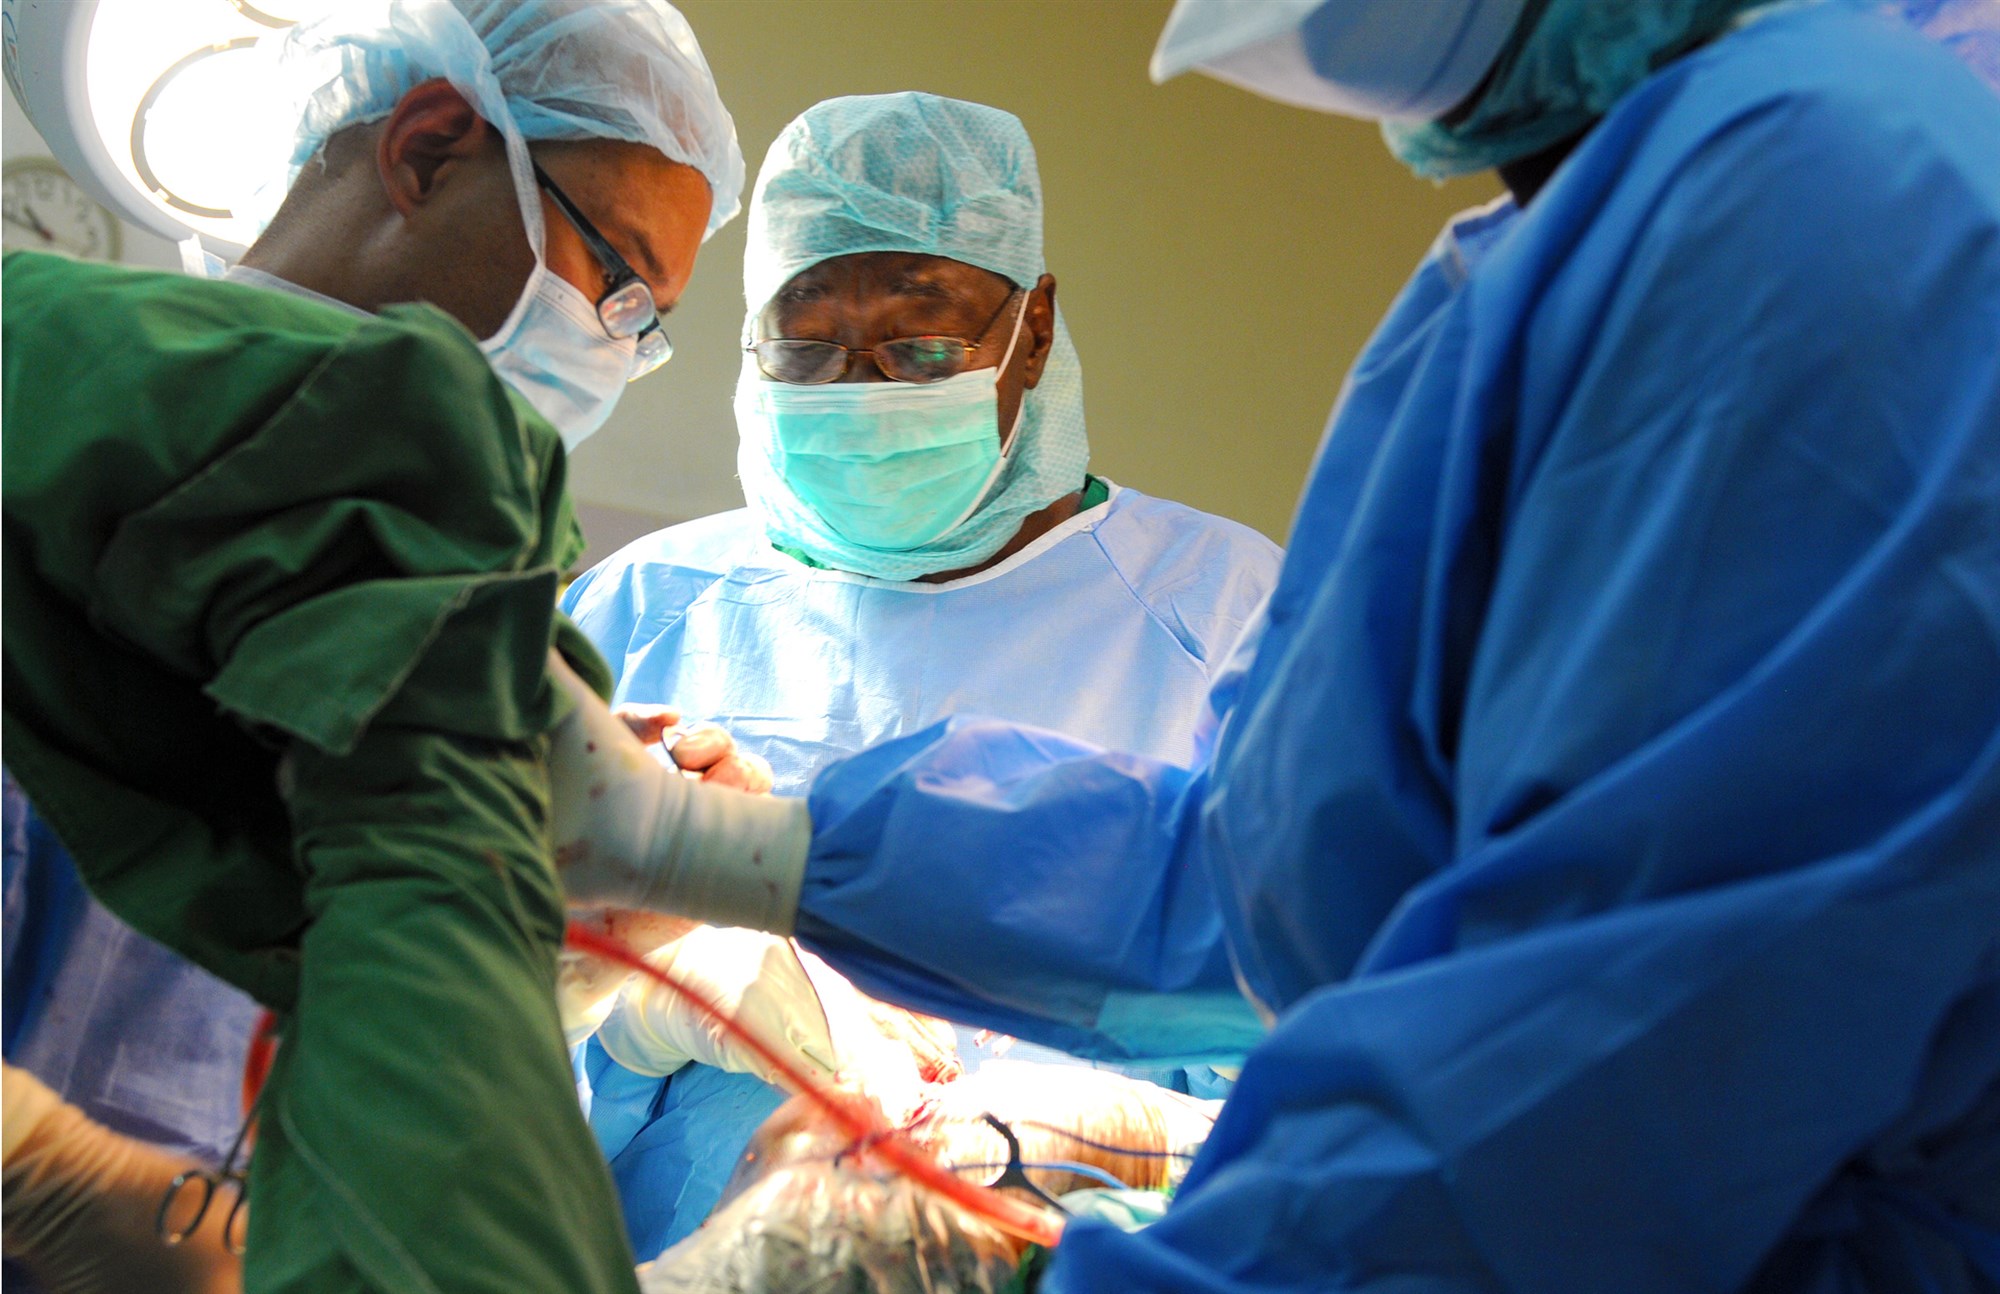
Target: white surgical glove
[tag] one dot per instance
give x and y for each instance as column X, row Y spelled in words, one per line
column 785, row 995
column 81, row 1203
column 586, row 984
column 755, row 978
column 631, row 833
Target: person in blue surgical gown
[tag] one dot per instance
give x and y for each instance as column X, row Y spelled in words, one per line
column 922, row 538
column 1606, row 806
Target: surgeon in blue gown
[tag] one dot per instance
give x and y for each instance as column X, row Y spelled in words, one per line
column 1060, row 599
column 1607, row 805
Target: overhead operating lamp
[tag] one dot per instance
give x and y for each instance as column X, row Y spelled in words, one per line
column 159, row 108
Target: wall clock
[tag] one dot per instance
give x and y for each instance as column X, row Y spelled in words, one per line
column 46, row 211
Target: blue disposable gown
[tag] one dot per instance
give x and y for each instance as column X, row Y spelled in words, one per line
column 1110, row 627
column 1611, row 807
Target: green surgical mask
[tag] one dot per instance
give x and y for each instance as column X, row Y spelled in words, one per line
column 887, row 466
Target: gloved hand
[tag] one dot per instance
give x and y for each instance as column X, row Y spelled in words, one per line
column 788, row 997
column 630, row 833
column 756, row 978
column 704, row 750
column 586, row 985
column 931, row 1042
column 81, row 1203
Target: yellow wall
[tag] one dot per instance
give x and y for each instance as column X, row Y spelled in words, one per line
column 1220, row 258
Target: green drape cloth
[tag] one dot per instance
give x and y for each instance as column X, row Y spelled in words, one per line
column 278, row 589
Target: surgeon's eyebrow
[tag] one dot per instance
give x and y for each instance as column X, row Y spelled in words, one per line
column 641, row 256
column 802, row 290
column 931, row 285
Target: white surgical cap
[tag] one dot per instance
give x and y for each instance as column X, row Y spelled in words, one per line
column 915, row 172
column 536, row 69
column 1376, row 59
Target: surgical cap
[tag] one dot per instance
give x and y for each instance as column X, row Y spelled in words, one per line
column 1361, row 58
column 536, row 69
column 914, row 172
column 1565, row 67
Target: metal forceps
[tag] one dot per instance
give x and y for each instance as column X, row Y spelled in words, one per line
column 197, row 1188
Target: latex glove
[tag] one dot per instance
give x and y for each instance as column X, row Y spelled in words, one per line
column 587, row 985
column 630, row 833
column 885, row 1064
column 787, row 996
column 708, row 749
column 756, row 978
column 81, row 1203
column 931, row 1042
column 704, row 750
column 650, row 723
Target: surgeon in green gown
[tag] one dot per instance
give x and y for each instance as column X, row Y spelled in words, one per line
column 280, row 566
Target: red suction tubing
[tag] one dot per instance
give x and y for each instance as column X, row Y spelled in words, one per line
column 855, row 1116
column 257, row 1061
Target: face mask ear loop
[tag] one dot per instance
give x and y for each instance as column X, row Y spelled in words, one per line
column 1007, row 440
column 484, row 93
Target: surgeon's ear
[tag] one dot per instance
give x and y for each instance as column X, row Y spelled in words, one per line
column 1040, row 328
column 432, row 132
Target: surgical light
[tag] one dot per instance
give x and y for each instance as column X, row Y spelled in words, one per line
column 162, row 108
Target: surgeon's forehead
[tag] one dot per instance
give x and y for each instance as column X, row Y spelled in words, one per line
column 894, row 274
column 644, row 203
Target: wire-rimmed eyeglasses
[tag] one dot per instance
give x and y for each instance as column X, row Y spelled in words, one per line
column 916, row 360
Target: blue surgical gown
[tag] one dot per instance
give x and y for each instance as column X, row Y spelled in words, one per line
column 1610, row 806
column 1110, row 627
column 142, row 1041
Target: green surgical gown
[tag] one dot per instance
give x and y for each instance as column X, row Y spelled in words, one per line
column 279, row 585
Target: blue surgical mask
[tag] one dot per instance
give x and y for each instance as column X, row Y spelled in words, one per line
column 555, row 352
column 888, row 466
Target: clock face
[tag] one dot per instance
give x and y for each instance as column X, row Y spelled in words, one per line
column 46, row 211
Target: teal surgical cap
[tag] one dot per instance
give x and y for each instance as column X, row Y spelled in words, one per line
column 1568, row 62
column 536, row 69
column 912, row 172
column 896, row 173
column 1571, row 60
column 1460, row 85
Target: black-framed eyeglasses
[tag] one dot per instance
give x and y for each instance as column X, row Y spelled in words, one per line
column 917, row 360
column 626, row 309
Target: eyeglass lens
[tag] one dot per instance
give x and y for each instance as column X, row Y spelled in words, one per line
column 916, row 360
column 627, row 309
column 654, row 349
